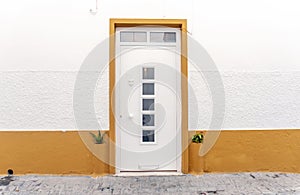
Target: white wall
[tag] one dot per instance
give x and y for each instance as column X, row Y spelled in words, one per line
column 255, row 45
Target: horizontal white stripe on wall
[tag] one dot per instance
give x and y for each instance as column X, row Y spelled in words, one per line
column 254, row 100
column 44, row 100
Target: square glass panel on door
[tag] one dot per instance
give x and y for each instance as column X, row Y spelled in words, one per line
column 148, row 104
column 148, row 88
column 148, row 73
column 148, row 136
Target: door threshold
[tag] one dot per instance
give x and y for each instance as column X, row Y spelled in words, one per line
column 151, row 173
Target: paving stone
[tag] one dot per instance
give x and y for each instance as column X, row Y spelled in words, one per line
column 238, row 183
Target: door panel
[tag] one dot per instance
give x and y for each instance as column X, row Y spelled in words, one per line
column 148, row 108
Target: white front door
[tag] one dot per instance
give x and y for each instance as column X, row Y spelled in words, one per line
column 148, row 111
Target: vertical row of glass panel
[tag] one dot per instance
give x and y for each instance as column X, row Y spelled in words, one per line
column 148, row 105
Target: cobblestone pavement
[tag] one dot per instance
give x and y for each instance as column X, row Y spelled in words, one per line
column 240, row 183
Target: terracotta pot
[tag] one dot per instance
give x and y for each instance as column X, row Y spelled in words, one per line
column 196, row 162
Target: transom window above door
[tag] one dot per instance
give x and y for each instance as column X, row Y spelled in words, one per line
column 133, row 36
column 147, row 37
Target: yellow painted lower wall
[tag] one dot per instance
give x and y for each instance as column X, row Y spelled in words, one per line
column 234, row 151
column 268, row 150
column 47, row 153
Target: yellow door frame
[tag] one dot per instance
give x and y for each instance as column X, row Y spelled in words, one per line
column 175, row 23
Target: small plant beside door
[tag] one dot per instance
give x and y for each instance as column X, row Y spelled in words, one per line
column 196, row 162
column 198, row 138
column 98, row 138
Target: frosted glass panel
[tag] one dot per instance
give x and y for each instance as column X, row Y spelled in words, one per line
column 163, row 37
column 148, row 120
column 148, row 136
column 148, row 73
column 133, row 36
column 140, row 37
column 126, row 36
column 148, row 104
column 148, row 88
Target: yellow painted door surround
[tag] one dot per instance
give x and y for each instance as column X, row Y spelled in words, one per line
column 175, row 23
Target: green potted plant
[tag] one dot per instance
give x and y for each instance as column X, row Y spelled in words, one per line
column 196, row 162
column 97, row 144
column 198, row 138
column 98, row 138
